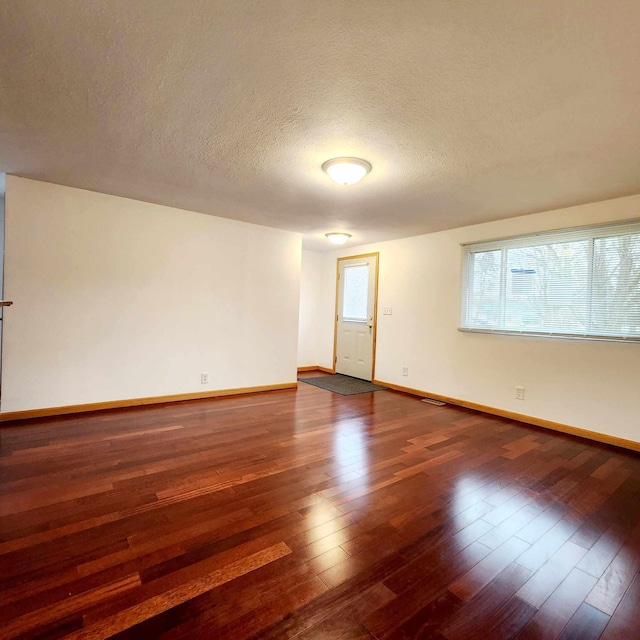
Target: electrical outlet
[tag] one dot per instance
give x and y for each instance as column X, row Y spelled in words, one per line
column 386, row 311
column 519, row 393
column 204, row 378
column 405, row 371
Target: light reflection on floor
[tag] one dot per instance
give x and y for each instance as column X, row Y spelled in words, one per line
column 351, row 448
column 349, row 471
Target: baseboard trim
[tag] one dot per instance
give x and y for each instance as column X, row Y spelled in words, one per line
column 138, row 402
column 315, row 367
column 537, row 422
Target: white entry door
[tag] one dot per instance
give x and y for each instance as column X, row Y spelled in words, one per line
column 356, row 316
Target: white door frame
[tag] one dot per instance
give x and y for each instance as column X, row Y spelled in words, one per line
column 375, row 309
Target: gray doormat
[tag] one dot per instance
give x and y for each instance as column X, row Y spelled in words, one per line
column 344, row 385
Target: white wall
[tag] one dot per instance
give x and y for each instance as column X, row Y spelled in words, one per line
column 587, row 384
column 316, row 316
column 117, row 299
column 310, row 283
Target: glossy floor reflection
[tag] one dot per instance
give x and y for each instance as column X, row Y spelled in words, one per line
column 312, row 515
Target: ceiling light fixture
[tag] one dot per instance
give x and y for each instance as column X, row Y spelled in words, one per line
column 337, row 237
column 346, row 170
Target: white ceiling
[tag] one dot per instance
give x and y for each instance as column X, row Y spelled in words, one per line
column 469, row 111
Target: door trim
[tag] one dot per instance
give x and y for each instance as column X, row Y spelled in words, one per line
column 375, row 255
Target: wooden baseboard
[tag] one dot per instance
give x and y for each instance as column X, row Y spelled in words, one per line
column 538, row 422
column 315, row 367
column 137, row 402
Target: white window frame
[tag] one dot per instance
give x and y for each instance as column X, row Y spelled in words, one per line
column 590, row 233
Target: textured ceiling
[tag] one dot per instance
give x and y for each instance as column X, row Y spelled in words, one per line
column 469, row 111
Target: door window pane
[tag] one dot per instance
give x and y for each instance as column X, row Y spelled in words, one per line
column 355, row 293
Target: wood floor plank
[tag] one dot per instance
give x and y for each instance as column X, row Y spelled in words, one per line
column 34, row 619
column 129, row 617
column 306, row 514
column 546, row 546
column 613, row 583
column 418, row 584
column 348, row 617
column 625, row 622
column 552, row 617
column 601, row 553
column 586, row 624
column 428, row 620
column 551, row 574
column 467, row 586
column 491, row 599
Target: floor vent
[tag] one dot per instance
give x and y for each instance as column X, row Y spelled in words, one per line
column 438, row 403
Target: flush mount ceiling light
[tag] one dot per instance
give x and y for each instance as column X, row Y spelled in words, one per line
column 337, row 237
column 346, row 170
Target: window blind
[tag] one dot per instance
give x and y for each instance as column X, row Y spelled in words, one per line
column 579, row 283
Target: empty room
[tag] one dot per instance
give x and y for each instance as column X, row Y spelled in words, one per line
column 320, row 320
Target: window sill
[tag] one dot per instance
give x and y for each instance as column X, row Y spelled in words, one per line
column 561, row 336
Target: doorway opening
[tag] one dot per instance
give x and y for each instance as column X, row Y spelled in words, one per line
column 354, row 342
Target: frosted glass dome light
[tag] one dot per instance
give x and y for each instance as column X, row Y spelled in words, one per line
column 337, row 237
column 346, row 171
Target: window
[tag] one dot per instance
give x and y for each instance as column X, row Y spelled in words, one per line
column 580, row 283
column 356, row 289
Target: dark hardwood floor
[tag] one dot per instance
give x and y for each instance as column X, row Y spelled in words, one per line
column 310, row 515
